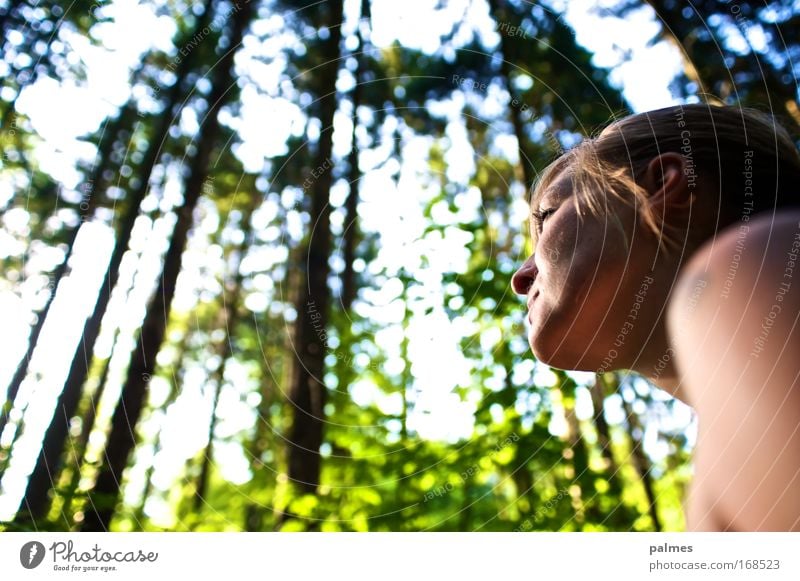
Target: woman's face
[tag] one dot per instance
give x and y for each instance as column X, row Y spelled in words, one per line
column 586, row 292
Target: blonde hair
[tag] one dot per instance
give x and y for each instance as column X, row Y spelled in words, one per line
column 718, row 144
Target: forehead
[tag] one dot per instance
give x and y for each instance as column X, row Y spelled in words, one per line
column 559, row 187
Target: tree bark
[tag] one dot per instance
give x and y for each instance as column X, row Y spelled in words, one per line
column 600, row 424
column 351, row 233
column 34, row 503
column 91, row 187
column 179, row 367
column 672, row 35
column 498, row 10
column 230, row 318
column 308, row 393
column 122, row 438
column 641, row 462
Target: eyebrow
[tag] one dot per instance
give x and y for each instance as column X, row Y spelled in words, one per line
column 546, row 193
column 536, row 199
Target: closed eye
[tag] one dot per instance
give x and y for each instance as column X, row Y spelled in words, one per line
column 540, row 216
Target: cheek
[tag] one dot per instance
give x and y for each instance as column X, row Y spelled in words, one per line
column 562, row 251
column 570, row 316
column 581, row 264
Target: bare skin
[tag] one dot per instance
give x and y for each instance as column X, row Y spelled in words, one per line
column 596, row 304
column 737, row 354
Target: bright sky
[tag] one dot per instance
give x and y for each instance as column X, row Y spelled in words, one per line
column 440, row 414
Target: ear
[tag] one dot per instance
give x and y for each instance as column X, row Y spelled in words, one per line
column 666, row 182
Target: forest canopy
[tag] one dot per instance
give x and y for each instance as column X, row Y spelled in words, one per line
column 256, row 259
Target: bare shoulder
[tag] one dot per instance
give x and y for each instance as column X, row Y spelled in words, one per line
column 734, row 325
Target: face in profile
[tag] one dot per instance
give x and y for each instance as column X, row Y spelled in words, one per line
column 582, row 283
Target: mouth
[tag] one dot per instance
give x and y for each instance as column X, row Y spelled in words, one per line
column 531, row 301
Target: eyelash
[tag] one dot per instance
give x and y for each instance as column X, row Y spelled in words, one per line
column 541, row 216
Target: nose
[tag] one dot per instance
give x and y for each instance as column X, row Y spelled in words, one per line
column 524, row 277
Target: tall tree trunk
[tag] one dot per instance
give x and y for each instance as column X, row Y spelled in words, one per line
column 351, row 232
column 601, row 425
column 262, row 439
column 580, row 463
column 34, row 503
column 641, row 462
column 499, row 10
column 681, row 33
column 598, row 393
column 78, row 448
column 406, row 378
column 230, row 318
column 684, row 45
column 122, row 438
column 86, row 210
column 179, row 372
column 308, row 393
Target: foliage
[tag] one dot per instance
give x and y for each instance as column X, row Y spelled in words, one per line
column 434, row 233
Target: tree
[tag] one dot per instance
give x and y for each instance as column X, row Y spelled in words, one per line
column 87, row 207
column 307, row 392
column 229, row 318
column 122, row 439
column 329, row 431
column 35, row 502
column 351, row 233
column 758, row 76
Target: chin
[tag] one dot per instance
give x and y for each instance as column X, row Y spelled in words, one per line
column 551, row 354
column 562, row 355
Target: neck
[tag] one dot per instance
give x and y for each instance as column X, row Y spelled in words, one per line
column 656, row 363
column 670, row 384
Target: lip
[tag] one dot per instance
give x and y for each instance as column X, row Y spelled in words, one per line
column 531, row 302
column 532, row 299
